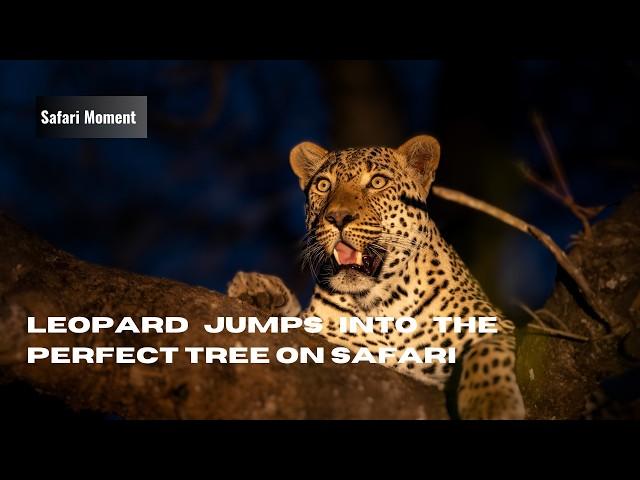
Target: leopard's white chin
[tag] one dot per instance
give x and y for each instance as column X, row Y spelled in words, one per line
column 352, row 282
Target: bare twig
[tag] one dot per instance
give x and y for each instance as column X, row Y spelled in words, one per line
column 610, row 319
column 584, row 214
column 559, row 191
column 540, row 326
column 557, row 333
column 551, row 153
column 554, row 317
column 532, row 178
column 532, row 314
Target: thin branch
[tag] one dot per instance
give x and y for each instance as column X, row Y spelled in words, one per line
column 557, row 333
column 559, row 191
column 540, row 326
column 551, row 153
column 554, row 317
column 532, row 178
column 532, row 314
column 582, row 213
column 610, row 319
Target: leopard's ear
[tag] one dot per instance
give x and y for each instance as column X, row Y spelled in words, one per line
column 422, row 154
column 305, row 159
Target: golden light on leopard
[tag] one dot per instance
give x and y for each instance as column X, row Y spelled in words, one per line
column 416, row 240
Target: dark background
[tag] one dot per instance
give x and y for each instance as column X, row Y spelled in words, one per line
column 210, row 191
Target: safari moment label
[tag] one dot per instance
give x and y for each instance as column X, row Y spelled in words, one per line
column 91, row 116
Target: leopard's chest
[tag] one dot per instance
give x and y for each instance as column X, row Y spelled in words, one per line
column 429, row 285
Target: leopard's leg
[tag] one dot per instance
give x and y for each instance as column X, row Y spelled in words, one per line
column 266, row 292
column 487, row 387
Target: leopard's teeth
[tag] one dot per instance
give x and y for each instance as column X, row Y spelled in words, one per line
column 358, row 257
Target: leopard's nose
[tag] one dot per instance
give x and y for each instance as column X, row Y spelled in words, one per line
column 339, row 217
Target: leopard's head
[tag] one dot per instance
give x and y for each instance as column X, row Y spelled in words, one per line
column 363, row 208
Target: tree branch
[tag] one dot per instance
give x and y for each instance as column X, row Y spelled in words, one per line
column 39, row 280
column 560, row 190
column 609, row 318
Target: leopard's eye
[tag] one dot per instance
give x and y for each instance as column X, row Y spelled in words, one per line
column 323, row 185
column 378, row 182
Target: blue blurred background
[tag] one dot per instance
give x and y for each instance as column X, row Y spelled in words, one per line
column 210, row 191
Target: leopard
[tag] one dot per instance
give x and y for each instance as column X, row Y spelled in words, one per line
column 374, row 250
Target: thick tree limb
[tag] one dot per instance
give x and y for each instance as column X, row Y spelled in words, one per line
column 558, row 376
column 37, row 279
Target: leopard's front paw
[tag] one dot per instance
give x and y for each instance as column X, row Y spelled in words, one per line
column 267, row 292
column 491, row 403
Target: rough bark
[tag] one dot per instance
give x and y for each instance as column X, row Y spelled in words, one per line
column 39, row 280
column 556, row 375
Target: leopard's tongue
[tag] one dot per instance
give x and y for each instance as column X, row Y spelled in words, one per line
column 347, row 255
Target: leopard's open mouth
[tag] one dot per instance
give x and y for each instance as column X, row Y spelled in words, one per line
column 367, row 262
